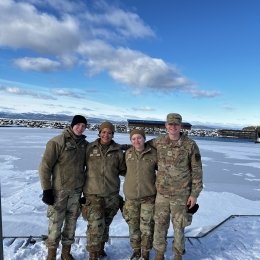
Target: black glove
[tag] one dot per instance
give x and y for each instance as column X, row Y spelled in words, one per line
column 48, row 197
column 82, row 200
column 121, row 203
column 194, row 209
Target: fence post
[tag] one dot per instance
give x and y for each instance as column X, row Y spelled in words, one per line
column 1, row 228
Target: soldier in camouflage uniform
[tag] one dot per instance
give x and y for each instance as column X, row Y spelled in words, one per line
column 178, row 184
column 62, row 175
column 140, row 192
column 105, row 163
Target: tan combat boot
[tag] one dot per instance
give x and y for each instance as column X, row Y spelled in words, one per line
column 93, row 255
column 177, row 257
column 159, row 255
column 65, row 253
column 51, row 253
column 145, row 254
column 136, row 254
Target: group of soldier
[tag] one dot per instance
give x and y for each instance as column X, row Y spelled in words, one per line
column 163, row 179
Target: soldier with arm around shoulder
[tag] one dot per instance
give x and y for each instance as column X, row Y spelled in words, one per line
column 140, row 192
column 105, row 163
column 178, row 184
column 62, row 176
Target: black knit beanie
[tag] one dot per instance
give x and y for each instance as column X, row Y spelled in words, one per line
column 78, row 119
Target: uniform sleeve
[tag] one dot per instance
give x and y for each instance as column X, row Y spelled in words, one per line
column 125, row 147
column 48, row 162
column 87, row 153
column 152, row 143
column 196, row 171
column 122, row 164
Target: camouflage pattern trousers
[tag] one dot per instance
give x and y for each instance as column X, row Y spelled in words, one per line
column 176, row 208
column 139, row 217
column 63, row 216
column 99, row 212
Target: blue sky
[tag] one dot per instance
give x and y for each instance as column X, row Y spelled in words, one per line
column 132, row 59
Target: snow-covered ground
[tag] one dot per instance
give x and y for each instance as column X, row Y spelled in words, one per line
column 231, row 187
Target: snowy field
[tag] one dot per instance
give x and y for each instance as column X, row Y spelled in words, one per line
column 231, row 187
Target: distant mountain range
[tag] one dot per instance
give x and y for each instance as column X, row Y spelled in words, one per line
column 204, row 127
column 51, row 117
column 63, row 117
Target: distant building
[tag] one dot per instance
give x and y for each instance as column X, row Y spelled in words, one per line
column 257, row 134
column 133, row 123
column 252, row 132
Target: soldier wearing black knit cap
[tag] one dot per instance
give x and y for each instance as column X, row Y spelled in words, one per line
column 78, row 119
column 62, row 175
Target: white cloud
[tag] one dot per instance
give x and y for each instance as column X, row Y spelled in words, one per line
column 87, row 109
column 23, row 26
column 6, row 108
column 44, row 64
column 137, row 70
column 197, row 93
column 24, row 92
column 60, row 5
column 143, row 109
column 113, row 23
column 67, row 93
column 228, row 107
column 37, row 64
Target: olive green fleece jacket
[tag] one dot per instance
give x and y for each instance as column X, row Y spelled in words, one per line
column 179, row 166
column 103, row 170
column 63, row 163
column 141, row 173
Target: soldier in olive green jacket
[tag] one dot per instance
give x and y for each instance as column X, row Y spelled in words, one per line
column 62, row 176
column 178, row 183
column 105, row 163
column 140, row 192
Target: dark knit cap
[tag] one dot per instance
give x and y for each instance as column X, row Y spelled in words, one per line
column 137, row 131
column 78, row 119
column 107, row 125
